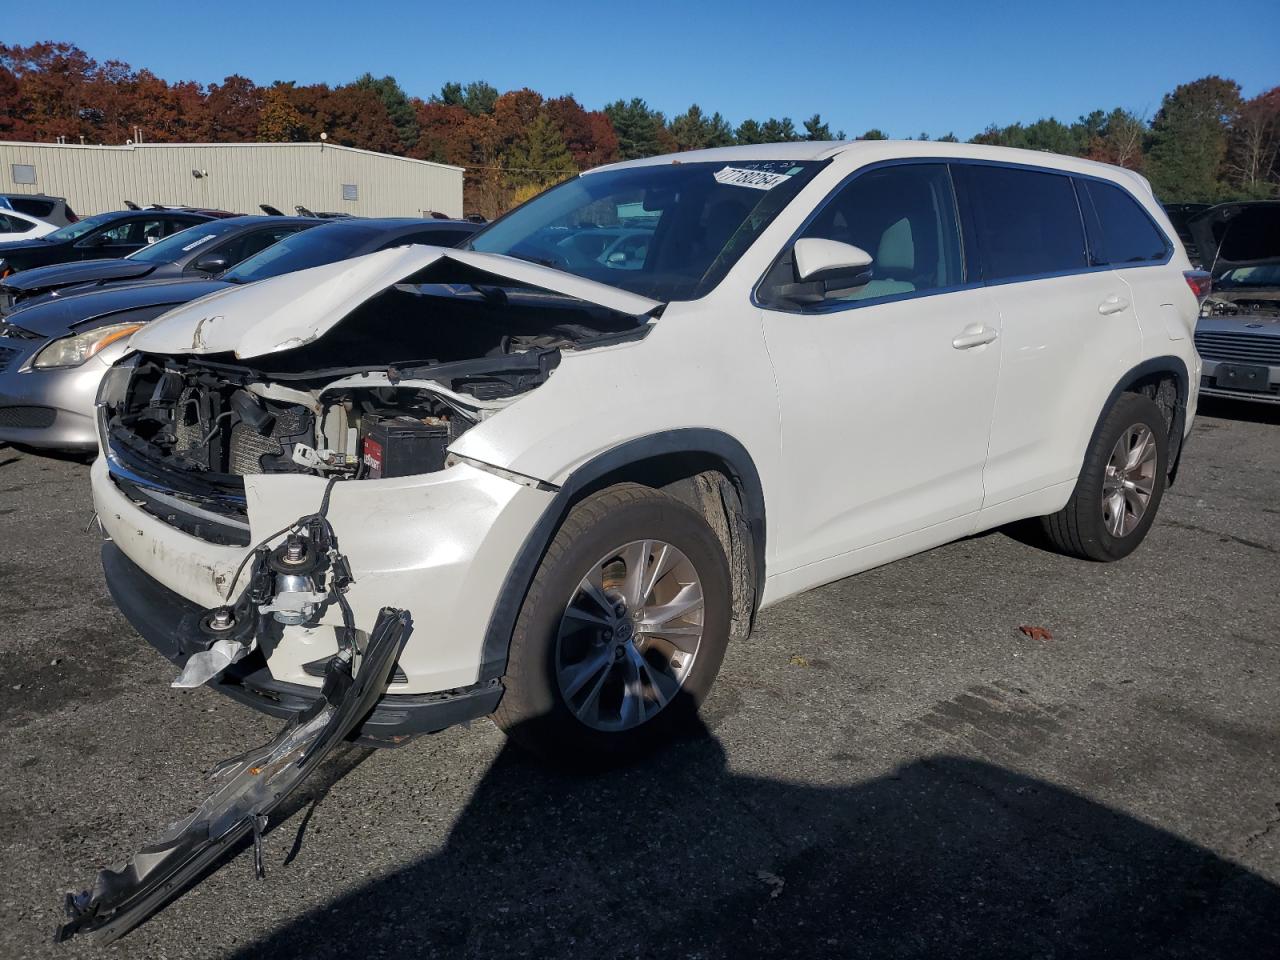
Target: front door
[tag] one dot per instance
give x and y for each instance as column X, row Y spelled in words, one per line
column 886, row 391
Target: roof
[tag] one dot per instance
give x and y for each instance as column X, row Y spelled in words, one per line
column 314, row 145
column 859, row 151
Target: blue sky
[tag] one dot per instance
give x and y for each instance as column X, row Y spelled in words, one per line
column 905, row 67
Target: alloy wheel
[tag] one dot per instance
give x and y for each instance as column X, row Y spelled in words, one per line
column 629, row 635
column 1129, row 480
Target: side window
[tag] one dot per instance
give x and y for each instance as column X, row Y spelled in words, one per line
column 1027, row 222
column 127, row 232
column 14, row 225
column 1120, row 231
column 905, row 217
column 167, row 226
column 246, row 246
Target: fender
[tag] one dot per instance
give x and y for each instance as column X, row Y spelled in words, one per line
column 1166, row 364
column 700, row 441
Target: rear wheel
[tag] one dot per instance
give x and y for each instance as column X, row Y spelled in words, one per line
column 1120, row 486
column 622, row 631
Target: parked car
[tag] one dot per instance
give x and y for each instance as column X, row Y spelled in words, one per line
column 562, row 469
column 201, row 251
column 111, row 235
column 1238, row 334
column 53, row 354
column 426, row 485
column 20, row 226
column 54, row 210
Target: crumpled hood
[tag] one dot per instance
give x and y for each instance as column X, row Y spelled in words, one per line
column 1234, row 235
column 294, row 309
column 57, row 318
column 78, row 271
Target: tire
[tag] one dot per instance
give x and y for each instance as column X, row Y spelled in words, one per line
column 552, row 649
column 1089, row 526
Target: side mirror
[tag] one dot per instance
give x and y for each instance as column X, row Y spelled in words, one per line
column 823, row 268
column 211, row 263
column 832, row 262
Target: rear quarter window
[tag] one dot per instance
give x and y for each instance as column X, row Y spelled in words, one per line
column 1027, row 221
column 1120, row 230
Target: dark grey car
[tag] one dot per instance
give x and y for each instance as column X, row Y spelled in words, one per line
column 196, row 253
column 53, row 354
column 1238, row 333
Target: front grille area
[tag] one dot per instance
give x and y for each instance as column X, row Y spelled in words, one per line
column 1239, row 347
column 27, row 418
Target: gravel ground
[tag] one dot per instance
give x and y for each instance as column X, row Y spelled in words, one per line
column 889, row 767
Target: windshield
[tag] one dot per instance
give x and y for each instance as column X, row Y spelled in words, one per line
column 1266, row 275
column 74, row 231
column 310, row 248
column 177, row 245
column 668, row 231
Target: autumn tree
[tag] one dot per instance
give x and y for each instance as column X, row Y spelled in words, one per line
column 1189, row 139
column 280, row 121
column 396, row 102
column 1118, row 138
column 1253, row 152
column 587, row 133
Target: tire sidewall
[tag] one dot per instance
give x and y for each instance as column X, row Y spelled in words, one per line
column 543, row 719
column 1129, row 411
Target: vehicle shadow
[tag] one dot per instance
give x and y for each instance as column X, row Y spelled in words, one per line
column 1268, row 413
column 678, row 856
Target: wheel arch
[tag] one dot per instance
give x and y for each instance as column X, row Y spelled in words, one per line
column 1146, row 378
column 660, row 460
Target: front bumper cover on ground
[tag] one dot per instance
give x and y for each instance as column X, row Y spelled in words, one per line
column 245, row 791
column 171, row 624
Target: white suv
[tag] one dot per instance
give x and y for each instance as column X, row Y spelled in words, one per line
column 582, row 475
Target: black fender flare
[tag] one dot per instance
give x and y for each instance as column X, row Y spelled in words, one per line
column 1167, row 364
column 704, row 442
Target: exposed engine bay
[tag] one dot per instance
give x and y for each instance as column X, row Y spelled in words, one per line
column 383, row 394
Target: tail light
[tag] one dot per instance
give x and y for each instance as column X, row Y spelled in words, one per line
column 1200, row 282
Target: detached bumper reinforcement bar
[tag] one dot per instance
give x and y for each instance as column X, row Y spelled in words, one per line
column 245, row 791
column 170, row 623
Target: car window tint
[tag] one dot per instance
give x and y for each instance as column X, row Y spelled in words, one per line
column 32, row 207
column 246, row 246
column 1027, row 222
column 14, row 224
column 904, row 216
column 1120, row 232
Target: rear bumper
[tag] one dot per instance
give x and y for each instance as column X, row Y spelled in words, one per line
column 171, row 625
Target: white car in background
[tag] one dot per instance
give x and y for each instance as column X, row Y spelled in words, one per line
column 582, row 479
column 21, row 226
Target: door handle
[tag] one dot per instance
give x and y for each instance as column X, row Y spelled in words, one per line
column 1113, row 304
column 974, row 337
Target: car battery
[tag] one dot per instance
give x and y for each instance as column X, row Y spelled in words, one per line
column 402, row 446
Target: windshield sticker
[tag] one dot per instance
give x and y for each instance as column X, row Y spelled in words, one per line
column 195, row 243
column 756, row 179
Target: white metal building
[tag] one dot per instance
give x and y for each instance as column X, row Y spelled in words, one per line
column 232, row 176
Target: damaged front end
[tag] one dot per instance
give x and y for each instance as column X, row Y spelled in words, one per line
column 245, row 791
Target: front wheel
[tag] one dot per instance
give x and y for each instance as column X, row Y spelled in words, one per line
column 622, row 631
column 1120, row 487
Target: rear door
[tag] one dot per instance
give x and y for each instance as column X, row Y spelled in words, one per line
column 1068, row 328
column 1123, row 236
column 886, row 391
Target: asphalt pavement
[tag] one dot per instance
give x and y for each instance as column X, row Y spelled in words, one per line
column 890, row 768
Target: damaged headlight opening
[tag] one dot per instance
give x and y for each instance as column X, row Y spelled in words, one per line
column 74, row 350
